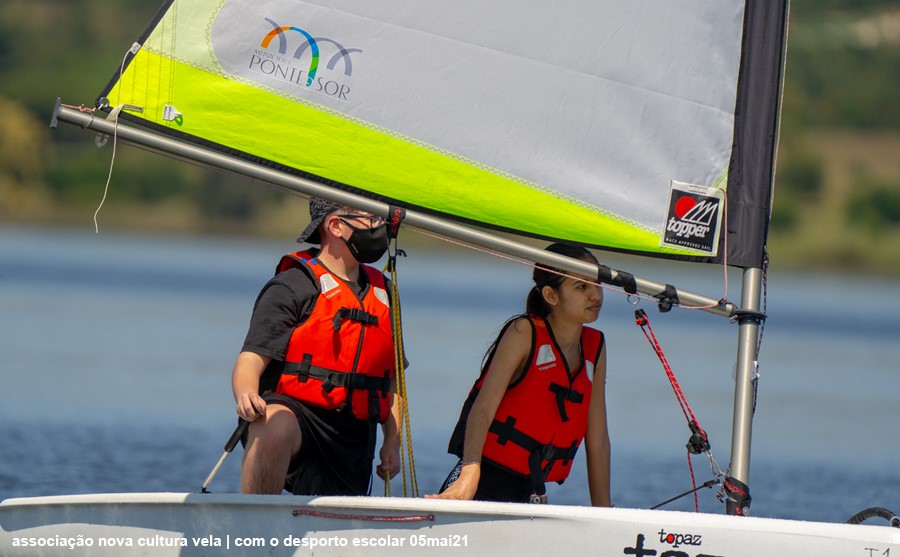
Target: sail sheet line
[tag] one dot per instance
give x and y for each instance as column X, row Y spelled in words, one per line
column 112, row 161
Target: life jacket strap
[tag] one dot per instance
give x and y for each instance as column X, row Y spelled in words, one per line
column 375, row 394
column 355, row 314
column 331, row 378
column 564, row 394
column 538, row 453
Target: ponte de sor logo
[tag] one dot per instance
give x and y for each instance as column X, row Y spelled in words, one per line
column 292, row 44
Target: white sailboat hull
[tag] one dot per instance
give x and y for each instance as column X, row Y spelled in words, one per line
column 182, row 524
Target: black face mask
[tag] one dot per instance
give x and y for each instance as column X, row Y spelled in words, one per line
column 367, row 244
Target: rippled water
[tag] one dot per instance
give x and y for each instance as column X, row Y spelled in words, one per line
column 116, row 351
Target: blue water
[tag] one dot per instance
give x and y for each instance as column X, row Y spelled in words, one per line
column 116, row 353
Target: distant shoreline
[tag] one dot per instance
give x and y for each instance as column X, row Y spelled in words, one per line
column 791, row 252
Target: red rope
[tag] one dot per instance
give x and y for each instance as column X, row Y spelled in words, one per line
column 644, row 322
column 372, row 517
column 693, row 482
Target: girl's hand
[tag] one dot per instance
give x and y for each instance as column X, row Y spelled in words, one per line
column 464, row 487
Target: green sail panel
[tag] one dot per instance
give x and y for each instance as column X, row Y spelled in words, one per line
column 562, row 127
column 490, row 198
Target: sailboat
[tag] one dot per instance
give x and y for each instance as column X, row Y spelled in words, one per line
column 647, row 128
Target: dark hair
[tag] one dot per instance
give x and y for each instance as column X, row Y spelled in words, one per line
column 534, row 302
column 545, row 276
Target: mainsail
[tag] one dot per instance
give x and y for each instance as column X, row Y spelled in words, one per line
column 638, row 127
column 643, row 127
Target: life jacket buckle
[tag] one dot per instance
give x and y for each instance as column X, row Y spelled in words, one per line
column 354, row 314
column 538, row 499
column 328, row 385
column 374, row 406
column 548, row 453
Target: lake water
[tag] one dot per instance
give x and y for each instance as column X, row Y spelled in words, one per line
column 116, row 353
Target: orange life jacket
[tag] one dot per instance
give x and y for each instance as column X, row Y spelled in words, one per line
column 343, row 353
column 542, row 417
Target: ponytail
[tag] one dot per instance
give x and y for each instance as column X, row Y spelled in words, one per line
column 535, row 304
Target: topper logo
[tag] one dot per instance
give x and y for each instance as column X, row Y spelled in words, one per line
column 689, row 210
column 307, row 42
column 692, row 218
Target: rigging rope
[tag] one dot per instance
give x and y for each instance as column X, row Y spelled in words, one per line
column 762, row 327
column 406, row 451
column 699, row 441
column 644, row 322
column 114, row 115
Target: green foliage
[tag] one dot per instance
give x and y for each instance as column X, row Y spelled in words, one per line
column 8, row 40
column 23, row 148
column 220, row 196
column 65, row 48
column 875, row 204
column 70, row 49
column 807, row 7
column 76, row 180
column 800, row 174
column 784, row 216
column 799, row 180
column 843, row 65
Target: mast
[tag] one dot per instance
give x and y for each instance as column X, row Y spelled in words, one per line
column 752, row 180
column 749, row 318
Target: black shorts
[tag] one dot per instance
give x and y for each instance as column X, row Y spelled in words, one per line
column 335, row 456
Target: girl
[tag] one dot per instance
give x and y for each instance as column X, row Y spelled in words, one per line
column 540, row 392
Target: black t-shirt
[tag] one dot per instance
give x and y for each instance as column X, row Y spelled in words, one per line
column 284, row 303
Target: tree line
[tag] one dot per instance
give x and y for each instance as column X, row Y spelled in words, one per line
column 843, row 72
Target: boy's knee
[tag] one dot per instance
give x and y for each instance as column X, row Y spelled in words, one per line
column 280, row 429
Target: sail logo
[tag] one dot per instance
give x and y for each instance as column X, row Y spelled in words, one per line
column 692, row 217
column 291, row 55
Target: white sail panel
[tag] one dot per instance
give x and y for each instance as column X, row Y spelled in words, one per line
column 583, row 114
